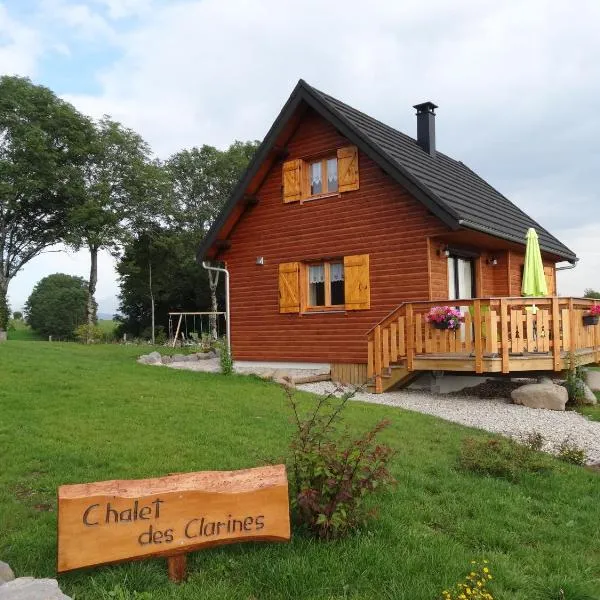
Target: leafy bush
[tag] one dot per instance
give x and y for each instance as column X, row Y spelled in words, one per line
column 500, row 457
column 89, row 334
column 534, row 440
column 160, row 336
column 332, row 473
column 17, row 315
column 571, row 452
column 575, row 381
column 474, row 586
column 57, row 305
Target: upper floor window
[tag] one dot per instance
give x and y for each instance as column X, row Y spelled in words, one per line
column 312, row 178
column 323, row 176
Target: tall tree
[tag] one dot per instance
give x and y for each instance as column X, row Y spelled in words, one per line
column 590, row 293
column 121, row 186
column 177, row 282
column 202, row 181
column 43, row 143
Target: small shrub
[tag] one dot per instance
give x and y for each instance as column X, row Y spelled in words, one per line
column 500, row 457
column 160, row 336
column 225, row 359
column 331, row 473
column 474, row 586
column 534, row 440
column 575, row 381
column 571, row 452
column 89, row 334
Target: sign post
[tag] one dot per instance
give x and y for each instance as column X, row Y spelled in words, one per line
column 113, row 521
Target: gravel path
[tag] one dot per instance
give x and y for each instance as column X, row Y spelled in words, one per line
column 497, row 416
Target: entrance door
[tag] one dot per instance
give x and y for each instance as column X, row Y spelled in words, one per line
column 461, row 282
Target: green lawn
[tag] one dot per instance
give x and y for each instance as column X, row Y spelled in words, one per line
column 71, row 413
column 19, row 330
column 107, row 325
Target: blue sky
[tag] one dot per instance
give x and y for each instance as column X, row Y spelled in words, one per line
column 516, row 84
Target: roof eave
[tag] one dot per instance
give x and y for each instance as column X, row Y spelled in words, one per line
column 569, row 256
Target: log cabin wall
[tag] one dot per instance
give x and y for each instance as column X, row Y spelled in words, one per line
column 501, row 279
column 380, row 219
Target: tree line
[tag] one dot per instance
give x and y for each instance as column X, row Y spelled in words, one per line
column 95, row 185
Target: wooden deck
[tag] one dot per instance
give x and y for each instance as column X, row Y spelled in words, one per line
column 499, row 335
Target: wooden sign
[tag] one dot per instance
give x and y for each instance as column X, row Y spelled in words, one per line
column 112, row 521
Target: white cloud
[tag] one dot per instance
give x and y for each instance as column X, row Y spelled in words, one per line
column 20, row 46
column 58, row 260
column 587, row 273
column 515, row 82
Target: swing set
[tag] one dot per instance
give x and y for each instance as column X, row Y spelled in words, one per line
column 191, row 336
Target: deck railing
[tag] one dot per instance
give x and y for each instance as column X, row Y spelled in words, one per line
column 493, row 328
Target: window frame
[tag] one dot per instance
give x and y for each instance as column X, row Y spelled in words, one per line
column 327, row 283
column 323, row 159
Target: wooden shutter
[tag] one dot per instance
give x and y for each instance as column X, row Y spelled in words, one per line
column 289, row 288
column 356, row 282
column 292, row 180
column 347, row 168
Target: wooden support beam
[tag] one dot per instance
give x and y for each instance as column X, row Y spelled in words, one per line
column 385, row 339
column 370, row 360
column 478, row 337
column 573, row 327
column 177, row 566
column 504, row 334
column 410, row 338
column 556, row 334
column 377, row 352
column 177, row 332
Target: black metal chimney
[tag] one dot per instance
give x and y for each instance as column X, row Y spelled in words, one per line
column 426, row 126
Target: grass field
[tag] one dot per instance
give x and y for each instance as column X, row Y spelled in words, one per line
column 70, row 413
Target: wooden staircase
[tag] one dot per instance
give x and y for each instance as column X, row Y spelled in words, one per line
column 395, row 376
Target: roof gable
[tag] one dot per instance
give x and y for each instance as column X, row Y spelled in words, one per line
column 452, row 191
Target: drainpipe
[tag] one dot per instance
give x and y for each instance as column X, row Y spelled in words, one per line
column 568, row 267
column 222, row 270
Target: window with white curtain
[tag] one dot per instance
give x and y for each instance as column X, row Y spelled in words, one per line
column 323, row 176
column 326, row 284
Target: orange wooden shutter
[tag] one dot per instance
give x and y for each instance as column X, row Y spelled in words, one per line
column 292, row 180
column 289, row 288
column 549, row 274
column 347, row 168
column 356, row 282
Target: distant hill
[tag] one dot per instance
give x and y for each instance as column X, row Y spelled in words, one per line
column 105, row 316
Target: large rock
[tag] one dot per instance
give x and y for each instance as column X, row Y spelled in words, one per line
column 154, row 358
column 588, row 396
column 206, row 355
column 541, row 395
column 592, row 378
column 6, row 573
column 28, row 588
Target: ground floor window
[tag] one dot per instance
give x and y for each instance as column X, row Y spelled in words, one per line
column 325, row 284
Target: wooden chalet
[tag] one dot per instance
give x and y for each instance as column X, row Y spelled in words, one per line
column 344, row 232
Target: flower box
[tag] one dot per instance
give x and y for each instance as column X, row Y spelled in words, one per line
column 589, row 320
column 444, row 317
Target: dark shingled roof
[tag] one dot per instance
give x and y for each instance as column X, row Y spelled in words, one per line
column 449, row 188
